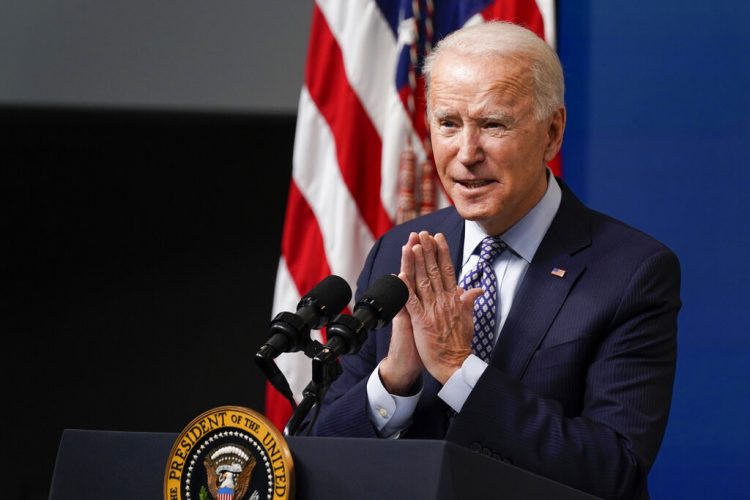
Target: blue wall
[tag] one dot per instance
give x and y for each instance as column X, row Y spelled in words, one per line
column 658, row 134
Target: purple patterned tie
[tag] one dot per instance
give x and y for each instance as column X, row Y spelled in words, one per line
column 485, row 307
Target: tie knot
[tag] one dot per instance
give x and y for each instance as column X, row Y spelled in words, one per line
column 490, row 248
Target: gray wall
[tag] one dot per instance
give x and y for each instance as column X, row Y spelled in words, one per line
column 228, row 55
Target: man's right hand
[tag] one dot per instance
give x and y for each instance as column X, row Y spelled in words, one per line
column 401, row 369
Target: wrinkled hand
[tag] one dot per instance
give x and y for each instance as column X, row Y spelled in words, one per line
column 402, row 367
column 441, row 312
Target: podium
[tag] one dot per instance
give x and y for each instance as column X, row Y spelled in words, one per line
column 127, row 465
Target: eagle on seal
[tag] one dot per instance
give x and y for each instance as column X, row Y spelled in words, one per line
column 228, row 471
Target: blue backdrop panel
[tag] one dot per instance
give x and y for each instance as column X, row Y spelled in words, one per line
column 659, row 132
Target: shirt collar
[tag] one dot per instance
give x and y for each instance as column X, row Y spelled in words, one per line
column 525, row 236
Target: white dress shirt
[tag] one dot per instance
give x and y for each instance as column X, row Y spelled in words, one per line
column 391, row 414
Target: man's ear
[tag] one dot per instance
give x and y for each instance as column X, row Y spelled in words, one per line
column 555, row 132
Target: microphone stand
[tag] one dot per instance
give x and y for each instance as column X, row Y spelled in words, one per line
column 325, row 369
column 346, row 334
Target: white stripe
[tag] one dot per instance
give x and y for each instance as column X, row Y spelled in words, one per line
column 346, row 237
column 475, row 19
column 370, row 53
column 295, row 366
column 547, row 9
column 285, row 293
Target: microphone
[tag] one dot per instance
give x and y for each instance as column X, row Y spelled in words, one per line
column 290, row 331
column 375, row 309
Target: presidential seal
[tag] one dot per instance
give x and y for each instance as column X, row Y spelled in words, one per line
column 229, row 453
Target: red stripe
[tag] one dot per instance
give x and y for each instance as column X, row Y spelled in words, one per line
column 523, row 12
column 278, row 409
column 302, row 243
column 358, row 144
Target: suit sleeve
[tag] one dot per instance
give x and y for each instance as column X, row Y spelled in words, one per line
column 609, row 448
column 344, row 411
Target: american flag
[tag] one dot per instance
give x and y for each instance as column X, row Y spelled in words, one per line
column 362, row 158
column 560, row 273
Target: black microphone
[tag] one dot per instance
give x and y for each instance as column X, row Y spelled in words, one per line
column 375, row 309
column 290, row 331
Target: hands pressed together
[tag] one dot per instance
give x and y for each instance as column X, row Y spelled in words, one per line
column 435, row 328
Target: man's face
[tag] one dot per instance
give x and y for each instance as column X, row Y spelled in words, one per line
column 489, row 148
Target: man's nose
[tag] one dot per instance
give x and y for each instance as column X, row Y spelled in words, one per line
column 470, row 147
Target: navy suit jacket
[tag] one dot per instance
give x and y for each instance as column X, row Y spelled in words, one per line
column 579, row 384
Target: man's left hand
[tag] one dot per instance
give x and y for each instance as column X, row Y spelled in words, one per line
column 441, row 312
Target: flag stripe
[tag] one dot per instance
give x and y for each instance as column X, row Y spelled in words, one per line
column 358, row 144
column 369, row 49
column 344, row 236
column 307, row 263
column 525, row 13
column 547, row 10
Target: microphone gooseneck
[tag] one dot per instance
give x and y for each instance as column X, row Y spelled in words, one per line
column 290, row 332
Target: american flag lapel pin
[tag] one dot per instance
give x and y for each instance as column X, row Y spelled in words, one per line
column 560, row 273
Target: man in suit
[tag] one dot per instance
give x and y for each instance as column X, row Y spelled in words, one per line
column 537, row 331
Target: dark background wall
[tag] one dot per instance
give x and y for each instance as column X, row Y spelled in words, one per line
column 138, row 260
column 145, row 153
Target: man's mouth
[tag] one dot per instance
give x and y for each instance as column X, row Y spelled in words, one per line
column 474, row 184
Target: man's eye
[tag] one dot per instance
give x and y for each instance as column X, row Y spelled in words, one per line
column 447, row 123
column 494, row 125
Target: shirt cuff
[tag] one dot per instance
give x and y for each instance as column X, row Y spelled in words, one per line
column 390, row 414
column 457, row 388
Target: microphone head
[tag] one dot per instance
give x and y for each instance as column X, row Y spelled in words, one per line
column 328, row 298
column 384, row 298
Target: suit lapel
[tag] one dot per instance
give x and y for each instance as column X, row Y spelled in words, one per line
column 454, row 234
column 542, row 293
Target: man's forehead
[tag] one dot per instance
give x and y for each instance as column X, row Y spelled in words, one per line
column 489, row 93
column 518, row 59
column 491, row 73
